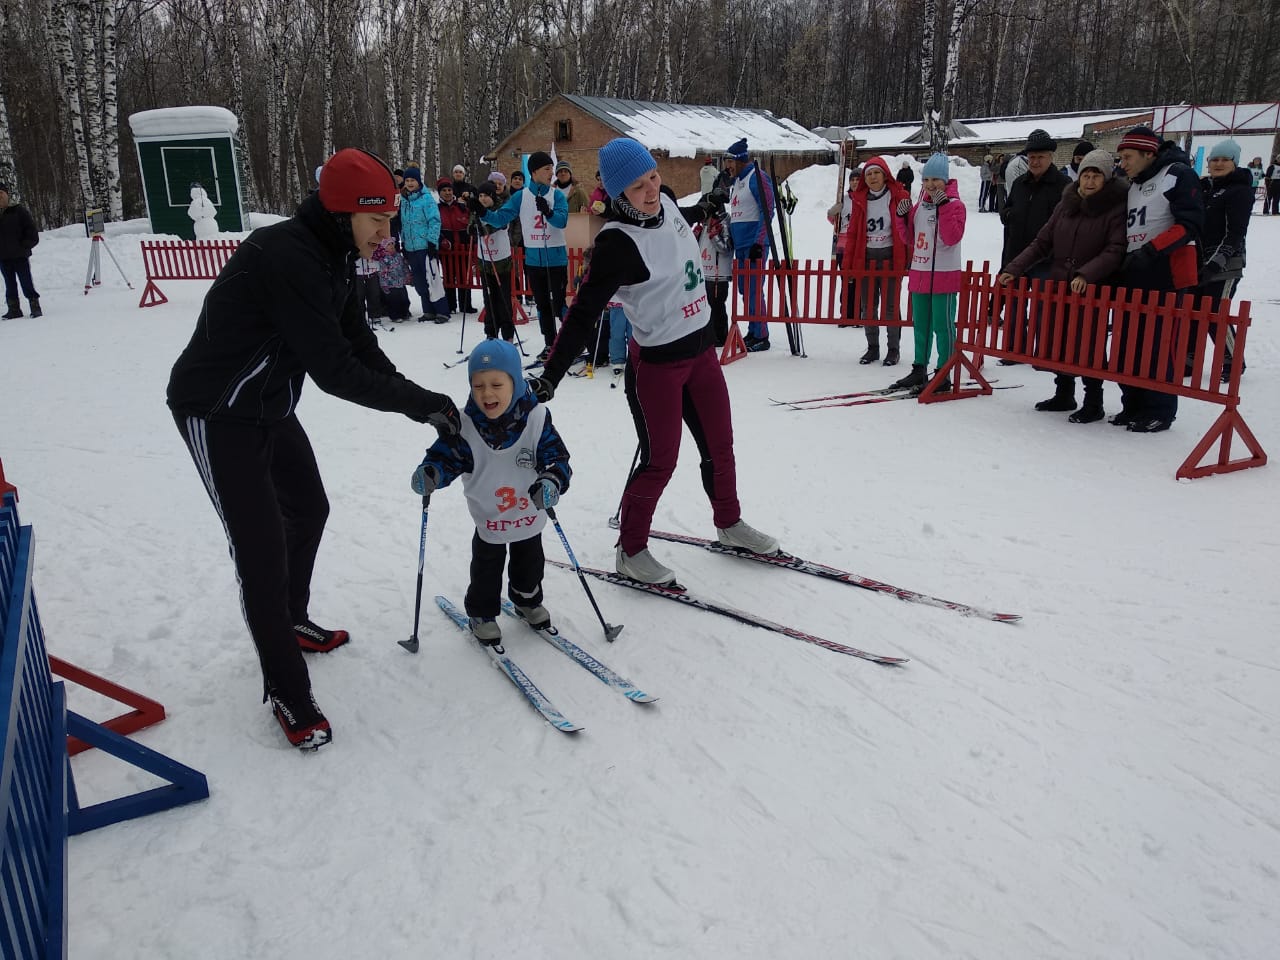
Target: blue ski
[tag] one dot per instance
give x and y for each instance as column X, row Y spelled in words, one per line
column 583, row 659
column 517, row 676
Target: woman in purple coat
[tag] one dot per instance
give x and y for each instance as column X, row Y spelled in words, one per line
column 1084, row 242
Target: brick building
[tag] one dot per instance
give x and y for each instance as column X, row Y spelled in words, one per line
column 681, row 137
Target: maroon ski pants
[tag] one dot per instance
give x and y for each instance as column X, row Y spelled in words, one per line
column 662, row 395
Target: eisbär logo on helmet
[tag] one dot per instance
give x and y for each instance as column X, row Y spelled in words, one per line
column 371, row 201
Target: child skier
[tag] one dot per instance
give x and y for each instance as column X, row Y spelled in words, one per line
column 393, row 274
column 935, row 226
column 514, row 467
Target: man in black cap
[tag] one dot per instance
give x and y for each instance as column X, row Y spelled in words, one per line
column 1072, row 170
column 1032, row 197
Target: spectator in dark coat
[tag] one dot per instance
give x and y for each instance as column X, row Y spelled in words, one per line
column 1228, row 205
column 18, row 237
column 1272, row 203
column 1032, row 197
column 1082, row 244
column 906, row 176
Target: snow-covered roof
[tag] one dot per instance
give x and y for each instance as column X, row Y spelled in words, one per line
column 179, row 121
column 1065, row 126
column 685, row 130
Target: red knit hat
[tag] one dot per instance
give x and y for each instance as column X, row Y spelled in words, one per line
column 1140, row 138
column 357, row 181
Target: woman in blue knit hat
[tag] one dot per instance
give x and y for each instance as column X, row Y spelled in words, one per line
column 646, row 258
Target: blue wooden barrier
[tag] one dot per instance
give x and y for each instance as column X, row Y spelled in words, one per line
column 38, row 804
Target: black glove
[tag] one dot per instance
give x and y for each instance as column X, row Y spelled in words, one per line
column 542, row 388
column 433, row 250
column 1215, row 264
column 544, row 208
column 1141, row 259
column 719, row 196
column 443, row 415
column 424, row 481
column 475, row 205
column 756, row 252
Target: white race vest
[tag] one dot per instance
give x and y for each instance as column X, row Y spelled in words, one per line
column 846, row 211
column 1149, row 212
column 534, row 226
column 495, row 246
column 672, row 303
column 879, row 222
column 743, row 207
column 715, row 265
column 929, row 252
column 498, row 487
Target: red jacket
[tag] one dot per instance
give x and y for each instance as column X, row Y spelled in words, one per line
column 453, row 220
column 855, row 236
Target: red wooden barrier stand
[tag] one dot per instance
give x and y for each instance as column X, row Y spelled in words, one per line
column 145, row 712
column 6, row 486
column 734, row 346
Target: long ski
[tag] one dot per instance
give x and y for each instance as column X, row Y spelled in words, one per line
column 883, row 391
column 733, row 613
column 911, row 394
column 605, row 675
column 536, row 697
column 790, row 562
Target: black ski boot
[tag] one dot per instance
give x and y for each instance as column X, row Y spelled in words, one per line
column 912, row 380
column 1091, row 410
column 1063, row 399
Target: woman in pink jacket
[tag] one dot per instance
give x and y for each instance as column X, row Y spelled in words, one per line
column 936, row 227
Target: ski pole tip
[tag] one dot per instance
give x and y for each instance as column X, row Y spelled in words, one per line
column 411, row 644
column 611, row 632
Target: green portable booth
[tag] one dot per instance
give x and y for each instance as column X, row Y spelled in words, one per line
column 179, row 146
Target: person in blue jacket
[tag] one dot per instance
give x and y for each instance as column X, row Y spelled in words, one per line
column 750, row 212
column 543, row 212
column 420, row 242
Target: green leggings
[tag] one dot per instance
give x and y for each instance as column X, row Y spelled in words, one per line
column 933, row 315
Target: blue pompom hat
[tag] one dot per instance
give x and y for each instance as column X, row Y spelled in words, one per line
column 937, row 166
column 503, row 357
column 623, row 161
column 738, row 151
column 1226, row 149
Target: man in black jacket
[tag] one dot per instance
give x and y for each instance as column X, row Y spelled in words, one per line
column 282, row 309
column 1032, row 197
column 18, row 237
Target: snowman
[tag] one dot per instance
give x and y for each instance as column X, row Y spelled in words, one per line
column 202, row 213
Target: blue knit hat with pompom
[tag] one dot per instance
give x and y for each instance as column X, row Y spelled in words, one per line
column 937, row 166
column 623, row 161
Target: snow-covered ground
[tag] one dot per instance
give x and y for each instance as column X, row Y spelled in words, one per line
column 1099, row 781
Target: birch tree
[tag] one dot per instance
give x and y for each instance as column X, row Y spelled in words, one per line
column 386, row 21
column 69, row 83
column 7, row 168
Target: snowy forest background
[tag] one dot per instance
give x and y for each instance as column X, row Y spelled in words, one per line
column 441, row 82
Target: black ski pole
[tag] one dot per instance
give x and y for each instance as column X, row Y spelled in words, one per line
column 412, row 643
column 610, row 632
column 616, row 520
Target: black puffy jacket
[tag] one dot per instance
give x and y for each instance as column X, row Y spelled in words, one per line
column 282, row 308
column 1029, row 207
column 18, row 234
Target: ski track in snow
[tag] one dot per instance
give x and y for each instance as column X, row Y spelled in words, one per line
column 1095, row 781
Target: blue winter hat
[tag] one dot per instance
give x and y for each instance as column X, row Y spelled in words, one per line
column 937, row 166
column 503, row 357
column 738, row 151
column 623, row 161
column 1226, row 150
column 413, row 172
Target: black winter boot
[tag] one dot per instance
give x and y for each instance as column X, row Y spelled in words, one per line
column 35, row 307
column 891, row 358
column 1064, row 398
column 913, row 379
column 15, row 310
column 1091, row 411
column 872, row 354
